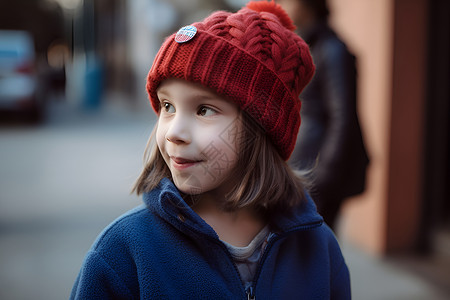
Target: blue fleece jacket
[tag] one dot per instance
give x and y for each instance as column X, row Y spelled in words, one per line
column 164, row 250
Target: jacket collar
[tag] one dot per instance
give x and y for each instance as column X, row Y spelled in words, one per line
column 166, row 201
column 301, row 217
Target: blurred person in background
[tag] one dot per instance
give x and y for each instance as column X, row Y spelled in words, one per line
column 330, row 142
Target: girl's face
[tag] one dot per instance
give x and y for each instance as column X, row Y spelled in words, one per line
column 197, row 136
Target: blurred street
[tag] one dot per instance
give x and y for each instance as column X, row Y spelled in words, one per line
column 61, row 183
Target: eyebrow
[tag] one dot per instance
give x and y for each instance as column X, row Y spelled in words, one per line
column 162, row 91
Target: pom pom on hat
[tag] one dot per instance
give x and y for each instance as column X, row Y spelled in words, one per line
column 274, row 8
column 251, row 57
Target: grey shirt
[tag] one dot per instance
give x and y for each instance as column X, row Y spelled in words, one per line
column 247, row 258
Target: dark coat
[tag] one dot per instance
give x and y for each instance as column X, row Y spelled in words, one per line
column 330, row 130
column 164, row 250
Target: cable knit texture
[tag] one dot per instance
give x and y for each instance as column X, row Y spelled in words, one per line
column 251, row 57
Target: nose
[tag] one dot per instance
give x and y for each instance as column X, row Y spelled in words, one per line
column 178, row 131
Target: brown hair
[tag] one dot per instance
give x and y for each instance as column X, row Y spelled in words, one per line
column 267, row 180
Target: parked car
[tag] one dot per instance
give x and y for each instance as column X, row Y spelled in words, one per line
column 19, row 87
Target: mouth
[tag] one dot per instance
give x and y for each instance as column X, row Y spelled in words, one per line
column 183, row 163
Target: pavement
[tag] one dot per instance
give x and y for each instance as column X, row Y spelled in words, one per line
column 62, row 182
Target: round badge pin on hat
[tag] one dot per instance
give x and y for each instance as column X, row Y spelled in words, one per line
column 185, row 34
column 252, row 57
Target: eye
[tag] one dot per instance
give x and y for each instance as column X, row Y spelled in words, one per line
column 206, row 111
column 169, row 108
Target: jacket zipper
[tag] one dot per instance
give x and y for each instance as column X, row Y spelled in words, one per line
column 250, row 293
column 224, row 248
column 251, row 290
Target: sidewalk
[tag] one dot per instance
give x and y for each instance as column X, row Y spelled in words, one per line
column 375, row 278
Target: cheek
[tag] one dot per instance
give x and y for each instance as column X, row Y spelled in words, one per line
column 231, row 136
column 160, row 137
column 222, row 148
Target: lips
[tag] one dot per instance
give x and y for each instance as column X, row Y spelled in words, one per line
column 183, row 163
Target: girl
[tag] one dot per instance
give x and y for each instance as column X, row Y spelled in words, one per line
column 224, row 217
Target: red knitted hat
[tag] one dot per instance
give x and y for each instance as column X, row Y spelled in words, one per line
column 251, row 57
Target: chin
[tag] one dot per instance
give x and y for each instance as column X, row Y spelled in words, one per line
column 190, row 185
